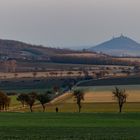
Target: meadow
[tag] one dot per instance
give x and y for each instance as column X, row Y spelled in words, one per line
column 69, row 126
column 99, row 118
column 69, row 105
column 96, row 99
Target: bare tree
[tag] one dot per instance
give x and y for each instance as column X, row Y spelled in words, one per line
column 79, row 96
column 120, row 96
column 86, row 73
column 61, row 73
column 22, row 98
column 47, row 75
column 4, row 101
column 56, row 89
column 80, row 73
column 30, row 99
column 16, row 75
column 43, row 99
column 34, row 74
column 70, row 73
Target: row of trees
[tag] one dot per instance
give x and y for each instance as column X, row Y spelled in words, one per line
column 30, row 99
column 102, row 60
column 118, row 94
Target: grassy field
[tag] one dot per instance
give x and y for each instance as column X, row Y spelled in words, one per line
column 97, row 99
column 65, row 107
column 88, row 108
column 103, row 94
column 18, row 91
column 101, row 89
column 30, row 84
column 69, row 126
column 111, row 82
column 99, row 119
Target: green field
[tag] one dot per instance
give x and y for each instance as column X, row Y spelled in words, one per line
column 109, row 88
column 18, row 91
column 98, row 121
column 64, row 107
column 69, row 126
column 92, row 107
column 110, row 81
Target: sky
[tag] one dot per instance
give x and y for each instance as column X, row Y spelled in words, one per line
column 68, row 23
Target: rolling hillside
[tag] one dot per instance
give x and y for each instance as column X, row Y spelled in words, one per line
column 11, row 49
column 20, row 50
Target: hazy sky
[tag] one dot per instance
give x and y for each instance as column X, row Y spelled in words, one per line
column 68, row 22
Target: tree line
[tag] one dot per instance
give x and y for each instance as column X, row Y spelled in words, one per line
column 91, row 60
column 29, row 99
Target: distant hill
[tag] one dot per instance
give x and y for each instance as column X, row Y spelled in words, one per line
column 24, row 51
column 20, row 50
column 119, row 46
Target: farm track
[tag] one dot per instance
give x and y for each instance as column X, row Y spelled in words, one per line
column 62, row 98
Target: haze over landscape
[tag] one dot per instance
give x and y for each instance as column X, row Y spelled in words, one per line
column 68, row 23
column 67, row 67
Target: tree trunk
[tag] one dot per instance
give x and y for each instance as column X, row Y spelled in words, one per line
column 22, row 104
column 79, row 107
column 120, row 108
column 43, row 108
column 3, row 106
column 31, row 109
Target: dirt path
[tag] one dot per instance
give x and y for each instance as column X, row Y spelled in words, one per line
column 62, row 98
